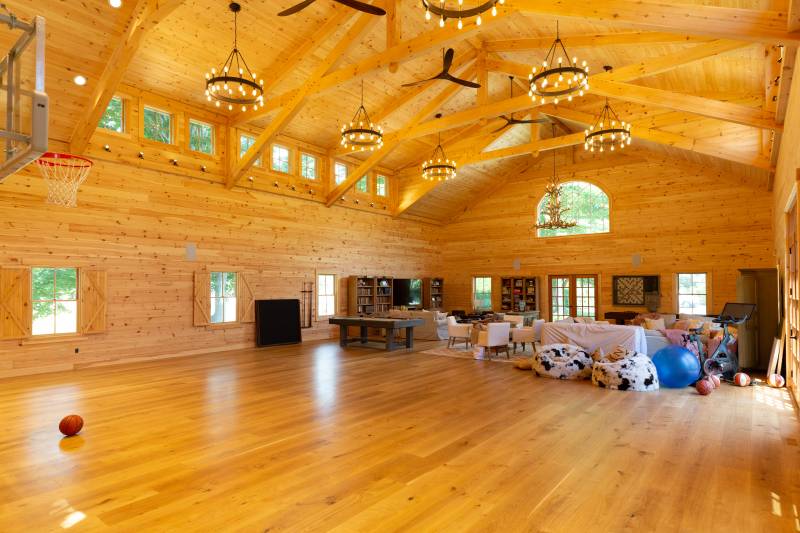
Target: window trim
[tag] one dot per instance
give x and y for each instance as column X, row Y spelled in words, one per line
column 213, row 127
column 288, row 158
column 583, row 235
column 474, row 291
column 77, row 332
column 211, row 298
column 678, row 292
column 573, row 293
column 385, row 186
column 316, row 166
column 172, row 125
column 335, row 296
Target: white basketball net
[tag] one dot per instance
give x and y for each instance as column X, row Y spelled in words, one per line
column 64, row 174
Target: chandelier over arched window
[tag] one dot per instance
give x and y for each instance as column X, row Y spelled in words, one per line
column 587, row 205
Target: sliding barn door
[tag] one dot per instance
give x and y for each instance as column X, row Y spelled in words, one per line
column 792, row 301
column 573, row 295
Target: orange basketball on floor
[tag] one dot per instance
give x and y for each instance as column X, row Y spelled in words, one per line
column 704, row 387
column 741, row 379
column 70, row 425
column 715, row 380
column 776, row 380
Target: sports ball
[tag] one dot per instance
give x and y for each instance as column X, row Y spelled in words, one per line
column 704, row 387
column 715, row 380
column 677, row 367
column 70, row 425
column 776, row 380
column 741, row 379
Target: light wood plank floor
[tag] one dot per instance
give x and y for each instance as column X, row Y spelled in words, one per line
column 316, row 438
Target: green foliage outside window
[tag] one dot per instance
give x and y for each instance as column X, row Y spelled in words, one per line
column 157, row 125
column 113, row 119
column 223, row 297
column 201, row 137
column 54, row 295
column 245, row 142
column 361, row 185
column 586, row 204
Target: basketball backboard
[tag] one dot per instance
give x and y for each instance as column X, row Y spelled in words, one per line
column 23, row 127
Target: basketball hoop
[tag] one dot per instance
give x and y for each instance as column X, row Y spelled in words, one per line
column 63, row 173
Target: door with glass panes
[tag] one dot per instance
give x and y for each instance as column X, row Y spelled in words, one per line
column 573, row 295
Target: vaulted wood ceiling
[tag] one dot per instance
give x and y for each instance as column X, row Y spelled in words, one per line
column 704, row 81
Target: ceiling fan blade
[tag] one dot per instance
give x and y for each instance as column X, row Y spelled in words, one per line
column 295, row 8
column 361, row 6
column 459, row 81
column 528, row 121
column 448, row 60
column 501, row 128
column 440, row 76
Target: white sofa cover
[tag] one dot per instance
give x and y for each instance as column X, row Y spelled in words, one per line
column 433, row 329
column 593, row 336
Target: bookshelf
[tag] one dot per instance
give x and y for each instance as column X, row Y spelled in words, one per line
column 367, row 295
column 433, row 293
column 516, row 290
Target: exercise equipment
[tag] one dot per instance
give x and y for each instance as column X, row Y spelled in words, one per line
column 724, row 361
column 676, row 366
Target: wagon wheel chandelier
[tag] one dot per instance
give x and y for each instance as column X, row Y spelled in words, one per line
column 608, row 130
column 361, row 133
column 558, row 76
column 434, row 8
column 438, row 167
column 235, row 83
column 554, row 212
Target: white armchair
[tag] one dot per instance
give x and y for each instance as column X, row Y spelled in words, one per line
column 456, row 332
column 495, row 336
column 523, row 335
column 514, row 320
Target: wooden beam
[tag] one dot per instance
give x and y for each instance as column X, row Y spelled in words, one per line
column 393, row 30
column 483, row 77
column 593, row 41
column 390, row 143
column 694, row 19
column 145, row 16
column 362, row 24
column 793, row 16
column 403, row 51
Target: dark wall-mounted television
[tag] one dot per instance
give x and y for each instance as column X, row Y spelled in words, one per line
column 407, row 292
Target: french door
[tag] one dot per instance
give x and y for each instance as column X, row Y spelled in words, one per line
column 792, row 308
column 574, row 295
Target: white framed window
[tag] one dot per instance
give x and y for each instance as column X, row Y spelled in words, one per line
column 482, row 292
column 223, row 297
column 201, row 137
column 326, row 295
column 308, row 166
column 380, row 185
column 245, row 142
column 114, row 117
column 54, row 298
column 692, row 293
column 280, row 158
column 339, row 173
column 157, row 125
column 362, row 185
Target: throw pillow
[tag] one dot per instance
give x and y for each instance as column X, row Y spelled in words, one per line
column 682, row 324
column 651, row 323
column 619, row 353
column 598, row 354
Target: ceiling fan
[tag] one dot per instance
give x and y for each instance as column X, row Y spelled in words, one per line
column 445, row 73
column 511, row 121
column 355, row 4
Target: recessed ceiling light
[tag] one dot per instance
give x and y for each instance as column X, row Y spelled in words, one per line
column 115, row 3
column 79, row 80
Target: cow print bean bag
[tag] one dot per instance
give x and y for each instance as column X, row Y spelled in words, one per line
column 562, row 361
column 636, row 373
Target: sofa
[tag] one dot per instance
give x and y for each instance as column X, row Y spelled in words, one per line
column 655, row 337
column 434, row 327
column 595, row 335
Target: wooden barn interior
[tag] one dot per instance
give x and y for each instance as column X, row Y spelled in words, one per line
column 277, row 308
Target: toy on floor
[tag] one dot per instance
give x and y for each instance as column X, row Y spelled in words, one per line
column 677, row 367
column 71, row 425
column 741, row 379
column 715, row 380
column 704, row 386
column 776, row 380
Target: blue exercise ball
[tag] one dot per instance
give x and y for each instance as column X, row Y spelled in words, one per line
column 676, row 366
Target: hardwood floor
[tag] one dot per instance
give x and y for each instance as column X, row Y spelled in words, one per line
column 316, row 438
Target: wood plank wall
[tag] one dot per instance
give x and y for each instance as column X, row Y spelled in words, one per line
column 675, row 215
column 135, row 223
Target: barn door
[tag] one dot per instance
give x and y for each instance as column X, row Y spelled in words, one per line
column 15, row 303
column 792, row 301
column 202, row 298
column 246, row 298
column 93, row 306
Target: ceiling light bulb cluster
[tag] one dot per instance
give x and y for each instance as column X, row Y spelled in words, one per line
column 608, row 131
column 439, row 10
column 560, row 77
column 361, row 133
column 438, row 167
column 235, row 84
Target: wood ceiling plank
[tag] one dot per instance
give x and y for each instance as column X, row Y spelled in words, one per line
column 145, row 16
column 586, row 41
column 362, row 24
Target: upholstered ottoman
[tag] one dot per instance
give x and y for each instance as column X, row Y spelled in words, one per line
column 562, row 361
column 636, row 373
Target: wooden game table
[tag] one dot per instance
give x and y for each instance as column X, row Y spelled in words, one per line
column 389, row 325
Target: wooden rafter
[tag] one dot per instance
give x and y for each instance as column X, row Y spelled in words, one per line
column 694, row 19
column 403, row 51
column 590, row 41
column 145, row 16
column 393, row 30
column 362, row 24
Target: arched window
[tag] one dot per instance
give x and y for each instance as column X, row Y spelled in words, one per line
column 588, row 206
